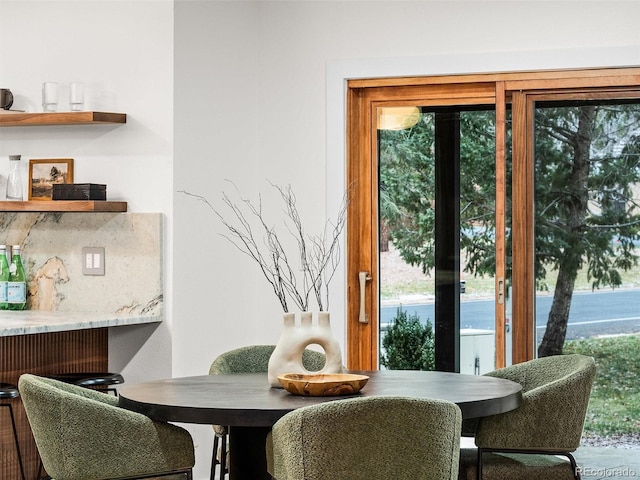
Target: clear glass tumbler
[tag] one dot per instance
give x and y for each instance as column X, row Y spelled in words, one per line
column 50, row 96
column 76, row 96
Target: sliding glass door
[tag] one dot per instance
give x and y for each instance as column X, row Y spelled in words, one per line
column 436, row 194
column 519, row 190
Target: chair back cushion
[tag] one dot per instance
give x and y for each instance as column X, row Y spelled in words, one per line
column 255, row 359
column 367, row 438
column 82, row 434
column 555, row 398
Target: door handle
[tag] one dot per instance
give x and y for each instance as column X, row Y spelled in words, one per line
column 363, row 277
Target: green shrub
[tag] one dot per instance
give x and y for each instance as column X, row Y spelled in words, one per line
column 408, row 345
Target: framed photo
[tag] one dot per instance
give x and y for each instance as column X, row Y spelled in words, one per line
column 44, row 172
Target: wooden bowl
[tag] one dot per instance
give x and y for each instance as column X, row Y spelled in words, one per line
column 322, row 384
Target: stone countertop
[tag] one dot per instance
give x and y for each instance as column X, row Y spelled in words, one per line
column 36, row 321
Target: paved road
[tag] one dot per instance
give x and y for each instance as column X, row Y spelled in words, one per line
column 592, row 313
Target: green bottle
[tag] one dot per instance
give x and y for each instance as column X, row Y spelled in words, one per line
column 4, row 277
column 17, row 286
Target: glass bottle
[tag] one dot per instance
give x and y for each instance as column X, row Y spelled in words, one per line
column 17, row 286
column 14, row 180
column 4, row 277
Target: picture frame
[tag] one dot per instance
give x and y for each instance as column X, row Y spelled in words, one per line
column 44, row 172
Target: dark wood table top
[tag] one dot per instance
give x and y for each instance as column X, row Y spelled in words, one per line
column 247, row 400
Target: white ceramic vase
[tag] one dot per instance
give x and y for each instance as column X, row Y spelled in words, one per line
column 287, row 356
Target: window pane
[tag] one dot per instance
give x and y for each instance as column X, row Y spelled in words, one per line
column 407, row 238
column 407, row 235
column 587, row 175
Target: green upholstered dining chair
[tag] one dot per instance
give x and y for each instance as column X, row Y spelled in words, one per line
column 536, row 439
column 248, row 359
column 82, row 434
column 367, row 438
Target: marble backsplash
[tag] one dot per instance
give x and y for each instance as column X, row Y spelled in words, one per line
column 52, row 255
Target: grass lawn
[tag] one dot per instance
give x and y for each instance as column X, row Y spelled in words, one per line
column 614, row 407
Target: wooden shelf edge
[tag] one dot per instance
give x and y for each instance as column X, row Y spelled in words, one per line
column 64, row 206
column 18, row 119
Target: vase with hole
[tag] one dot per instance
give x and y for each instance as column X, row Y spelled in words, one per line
column 295, row 337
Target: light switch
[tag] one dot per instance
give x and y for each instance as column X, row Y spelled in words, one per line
column 93, row 260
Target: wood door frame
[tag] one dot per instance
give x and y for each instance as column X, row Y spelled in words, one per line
column 500, row 288
column 501, row 89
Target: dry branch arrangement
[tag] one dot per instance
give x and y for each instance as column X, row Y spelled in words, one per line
column 317, row 257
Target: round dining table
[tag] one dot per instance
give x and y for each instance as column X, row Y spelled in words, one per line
column 249, row 406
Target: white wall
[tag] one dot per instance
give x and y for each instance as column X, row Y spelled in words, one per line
column 259, row 95
column 123, row 52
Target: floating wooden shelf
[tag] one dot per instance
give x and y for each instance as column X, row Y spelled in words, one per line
column 18, row 119
column 63, row 206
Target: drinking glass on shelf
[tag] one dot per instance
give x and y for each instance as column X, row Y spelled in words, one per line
column 50, row 96
column 76, row 96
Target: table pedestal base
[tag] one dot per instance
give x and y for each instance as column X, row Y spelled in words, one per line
column 248, row 458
